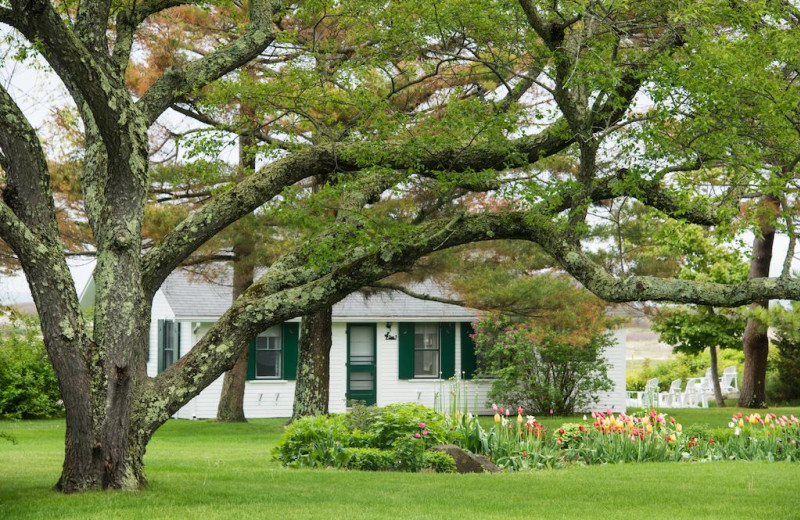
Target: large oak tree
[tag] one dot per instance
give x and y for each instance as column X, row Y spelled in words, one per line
column 570, row 69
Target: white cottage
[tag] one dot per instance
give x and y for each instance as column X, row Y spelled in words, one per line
column 386, row 348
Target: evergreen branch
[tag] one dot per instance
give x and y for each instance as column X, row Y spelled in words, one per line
column 417, row 295
column 128, row 21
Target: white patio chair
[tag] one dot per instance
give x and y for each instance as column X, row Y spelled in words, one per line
column 729, row 383
column 647, row 398
column 650, row 396
column 634, row 399
column 672, row 397
column 694, row 396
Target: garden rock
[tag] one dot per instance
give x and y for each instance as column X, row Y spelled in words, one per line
column 467, row 462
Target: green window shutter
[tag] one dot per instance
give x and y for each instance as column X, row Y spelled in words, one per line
column 160, row 353
column 251, row 361
column 291, row 333
column 447, row 338
column 405, row 347
column 176, row 339
column 468, row 359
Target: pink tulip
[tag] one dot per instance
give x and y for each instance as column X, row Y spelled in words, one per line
column 421, row 425
column 416, row 435
column 424, row 432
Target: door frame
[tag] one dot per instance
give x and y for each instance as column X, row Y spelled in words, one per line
column 363, row 368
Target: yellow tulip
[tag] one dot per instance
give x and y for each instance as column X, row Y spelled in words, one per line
column 649, row 428
column 679, row 427
column 519, row 419
column 741, row 423
column 497, row 418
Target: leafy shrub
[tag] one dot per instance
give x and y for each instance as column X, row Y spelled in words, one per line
column 571, row 434
column 785, row 385
column 314, row 442
column 543, row 369
column 28, row 385
column 402, row 421
column 371, row 459
column 439, row 462
column 400, row 432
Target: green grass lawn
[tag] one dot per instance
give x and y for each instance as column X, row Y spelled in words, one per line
column 206, row 470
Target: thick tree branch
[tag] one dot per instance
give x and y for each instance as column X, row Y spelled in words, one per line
column 128, row 21
column 27, row 192
column 324, row 160
column 261, row 306
column 6, row 16
column 84, row 72
column 91, row 22
column 181, row 80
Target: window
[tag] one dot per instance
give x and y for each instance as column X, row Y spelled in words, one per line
column 269, row 354
column 169, row 340
column 426, row 350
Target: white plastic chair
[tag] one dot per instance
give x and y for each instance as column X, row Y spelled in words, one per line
column 644, row 399
column 694, row 395
column 650, row 396
column 672, row 397
column 728, row 382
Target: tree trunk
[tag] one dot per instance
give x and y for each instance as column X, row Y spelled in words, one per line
column 313, row 365
column 755, row 340
column 231, row 400
column 715, row 377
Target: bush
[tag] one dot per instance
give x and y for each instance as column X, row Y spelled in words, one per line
column 394, row 437
column 371, row 459
column 785, row 384
column 28, row 385
column 543, row 369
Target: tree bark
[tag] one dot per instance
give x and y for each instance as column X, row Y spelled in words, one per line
column 715, row 377
column 755, row 340
column 231, row 400
column 311, row 393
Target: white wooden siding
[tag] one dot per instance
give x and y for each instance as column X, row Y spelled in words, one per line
column 160, row 311
column 614, row 400
column 275, row 398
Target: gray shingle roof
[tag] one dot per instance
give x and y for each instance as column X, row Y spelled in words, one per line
column 194, row 296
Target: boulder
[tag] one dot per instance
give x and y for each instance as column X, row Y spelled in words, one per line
column 467, row 462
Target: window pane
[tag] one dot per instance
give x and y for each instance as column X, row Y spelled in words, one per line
column 361, row 381
column 426, row 363
column 362, row 346
column 268, row 363
column 268, row 343
column 169, row 357
column 426, row 336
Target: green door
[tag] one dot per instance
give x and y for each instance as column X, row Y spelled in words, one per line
column 361, row 377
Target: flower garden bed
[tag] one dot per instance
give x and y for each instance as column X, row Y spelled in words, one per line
column 398, row 437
